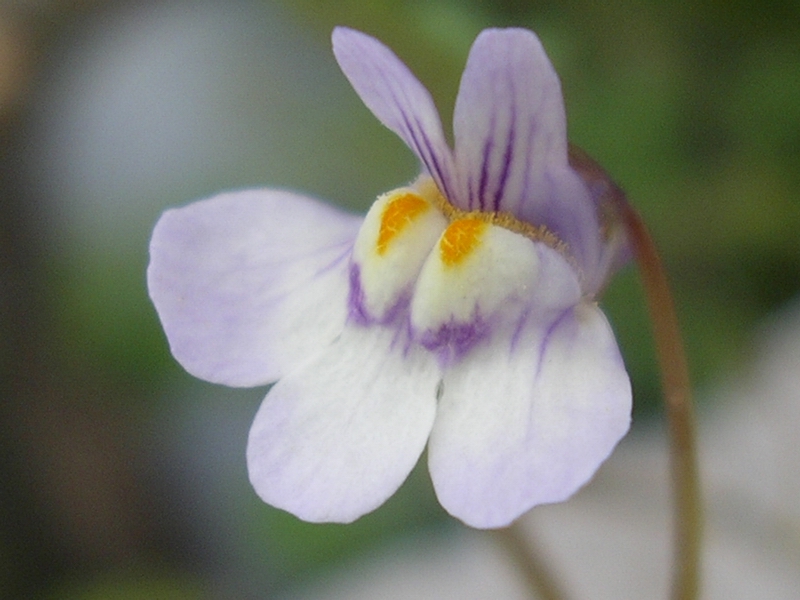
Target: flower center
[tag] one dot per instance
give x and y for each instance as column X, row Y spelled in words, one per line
column 398, row 213
column 537, row 233
column 459, row 239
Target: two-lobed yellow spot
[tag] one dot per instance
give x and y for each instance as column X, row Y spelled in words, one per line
column 460, row 238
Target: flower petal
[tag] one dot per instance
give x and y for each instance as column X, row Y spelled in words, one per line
column 509, row 120
column 570, row 212
column 398, row 233
column 511, row 138
column 529, row 421
column 607, row 197
column 394, row 95
column 478, row 275
column 247, row 284
column 334, row 439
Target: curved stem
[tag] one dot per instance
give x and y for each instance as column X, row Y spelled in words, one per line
column 674, row 373
column 678, row 397
column 530, row 563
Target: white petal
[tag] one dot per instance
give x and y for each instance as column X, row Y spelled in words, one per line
column 481, row 277
column 558, row 284
column 333, row 440
column 528, row 421
column 247, row 284
column 458, row 283
column 397, row 235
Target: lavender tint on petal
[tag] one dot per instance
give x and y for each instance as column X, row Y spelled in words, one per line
column 556, row 426
column 508, row 156
column 397, row 99
column 237, row 281
column 548, row 334
column 579, row 228
column 373, row 362
column 510, row 132
column 606, row 195
column 507, row 91
column 357, row 311
column 336, row 437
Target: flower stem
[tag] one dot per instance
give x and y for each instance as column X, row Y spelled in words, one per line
column 530, row 563
column 678, row 399
column 674, row 373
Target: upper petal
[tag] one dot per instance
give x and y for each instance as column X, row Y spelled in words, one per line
column 334, row 439
column 511, row 138
column 528, row 420
column 509, row 121
column 247, row 284
column 397, row 98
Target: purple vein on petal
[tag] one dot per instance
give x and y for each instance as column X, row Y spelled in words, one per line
column 508, row 157
column 346, row 252
column 428, row 158
column 325, row 268
column 527, row 193
column 415, row 132
column 546, row 339
column 357, row 310
column 515, row 336
column 483, row 183
column 436, row 171
column 392, row 92
column 470, row 191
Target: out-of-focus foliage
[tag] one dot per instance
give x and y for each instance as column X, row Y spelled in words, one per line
column 693, row 107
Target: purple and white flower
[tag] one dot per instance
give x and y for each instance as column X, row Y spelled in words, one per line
column 459, row 313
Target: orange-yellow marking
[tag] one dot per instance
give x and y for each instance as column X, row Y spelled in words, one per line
column 397, row 215
column 459, row 239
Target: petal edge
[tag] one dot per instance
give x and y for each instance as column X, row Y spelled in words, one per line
column 332, row 441
column 529, row 426
column 230, row 276
column 397, row 98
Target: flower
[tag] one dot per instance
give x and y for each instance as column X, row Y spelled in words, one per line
column 459, row 313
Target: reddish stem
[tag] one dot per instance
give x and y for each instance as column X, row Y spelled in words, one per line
column 674, row 374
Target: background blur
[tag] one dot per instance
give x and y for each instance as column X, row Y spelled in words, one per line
column 123, row 477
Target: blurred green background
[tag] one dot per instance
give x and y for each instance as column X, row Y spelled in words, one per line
column 121, row 476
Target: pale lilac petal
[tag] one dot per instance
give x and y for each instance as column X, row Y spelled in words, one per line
column 511, row 139
column 247, row 284
column 334, row 439
column 509, row 120
column 607, row 197
column 528, row 423
column 570, row 212
column 395, row 96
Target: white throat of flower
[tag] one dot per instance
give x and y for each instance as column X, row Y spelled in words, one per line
column 459, row 274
